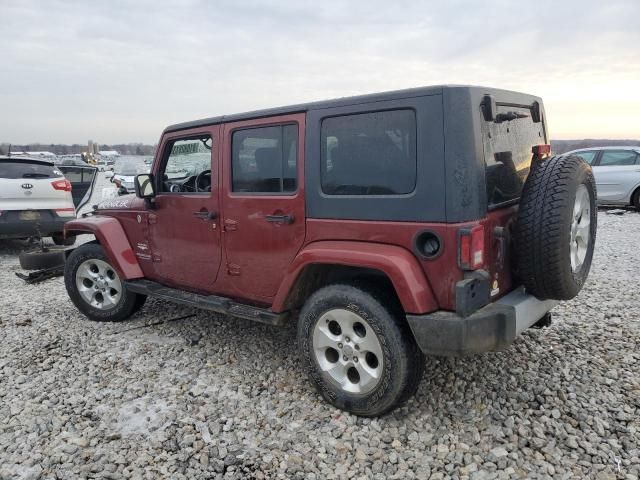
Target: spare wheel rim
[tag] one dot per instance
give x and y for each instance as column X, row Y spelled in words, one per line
column 580, row 228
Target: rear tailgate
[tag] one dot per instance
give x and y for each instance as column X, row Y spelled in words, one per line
column 509, row 133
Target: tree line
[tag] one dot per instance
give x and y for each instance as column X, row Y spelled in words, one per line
column 557, row 146
column 63, row 149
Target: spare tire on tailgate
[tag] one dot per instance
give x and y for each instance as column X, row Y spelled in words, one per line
column 556, row 228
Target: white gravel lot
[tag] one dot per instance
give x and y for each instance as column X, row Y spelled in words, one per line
column 215, row 397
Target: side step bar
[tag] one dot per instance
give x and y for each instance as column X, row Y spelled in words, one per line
column 206, row 302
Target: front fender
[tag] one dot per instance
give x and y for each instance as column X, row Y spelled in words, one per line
column 113, row 240
column 400, row 266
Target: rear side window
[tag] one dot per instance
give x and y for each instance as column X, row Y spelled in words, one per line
column 77, row 174
column 507, row 147
column 369, row 154
column 28, row 170
column 618, row 158
column 586, row 156
column 264, row 159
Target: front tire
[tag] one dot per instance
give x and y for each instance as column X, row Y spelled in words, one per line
column 95, row 287
column 358, row 349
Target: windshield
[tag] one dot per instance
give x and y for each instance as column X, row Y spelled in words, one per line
column 130, row 166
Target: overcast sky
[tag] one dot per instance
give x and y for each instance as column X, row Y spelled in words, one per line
column 120, row 71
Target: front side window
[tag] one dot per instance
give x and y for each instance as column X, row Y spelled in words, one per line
column 369, row 154
column 264, row 159
column 187, row 168
column 586, row 156
column 618, row 158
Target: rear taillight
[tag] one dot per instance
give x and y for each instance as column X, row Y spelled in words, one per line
column 63, row 184
column 65, row 212
column 471, row 248
column 541, row 150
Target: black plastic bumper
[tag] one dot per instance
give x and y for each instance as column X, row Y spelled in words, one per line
column 11, row 226
column 493, row 327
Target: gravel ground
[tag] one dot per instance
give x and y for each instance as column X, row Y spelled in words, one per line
column 214, row 397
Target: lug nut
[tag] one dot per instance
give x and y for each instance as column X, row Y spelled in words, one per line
column 346, row 339
column 355, row 359
column 357, row 347
column 345, row 358
column 339, row 345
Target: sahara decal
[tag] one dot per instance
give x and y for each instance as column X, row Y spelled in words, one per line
column 115, row 203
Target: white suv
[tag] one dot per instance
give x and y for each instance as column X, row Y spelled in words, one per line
column 36, row 199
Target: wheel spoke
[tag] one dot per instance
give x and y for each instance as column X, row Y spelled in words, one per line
column 108, row 300
column 338, row 371
column 583, row 231
column 370, row 344
column 84, row 271
column 323, row 338
column 367, row 374
column 346, row 319
column 575, row 259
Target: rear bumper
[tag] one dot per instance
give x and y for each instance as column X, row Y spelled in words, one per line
column 493, row 327
column 11, row 226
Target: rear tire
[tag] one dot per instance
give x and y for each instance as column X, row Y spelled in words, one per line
column 95, row 287
column 556, row 229
column 341, row 323
column 635, row 199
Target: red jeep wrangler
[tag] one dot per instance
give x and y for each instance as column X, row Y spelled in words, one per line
column 423, row 221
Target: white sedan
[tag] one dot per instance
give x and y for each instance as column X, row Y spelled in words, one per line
column 617, row 173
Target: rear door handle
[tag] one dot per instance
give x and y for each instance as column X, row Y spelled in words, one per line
column 284, row 219
column 206, row 215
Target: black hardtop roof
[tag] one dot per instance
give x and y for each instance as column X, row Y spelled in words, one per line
column 338, row 102
column 4, row 158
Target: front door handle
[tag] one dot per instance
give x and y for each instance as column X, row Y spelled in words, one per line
column 284, row 219
column 206, row 215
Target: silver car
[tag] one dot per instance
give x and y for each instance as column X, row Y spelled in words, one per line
column 617, row 172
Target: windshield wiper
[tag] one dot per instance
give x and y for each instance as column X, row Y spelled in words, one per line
column 508, row 116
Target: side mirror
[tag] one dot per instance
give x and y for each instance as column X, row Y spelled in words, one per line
column 144, row 186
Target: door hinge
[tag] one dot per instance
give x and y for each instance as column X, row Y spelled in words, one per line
column 233, row 269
